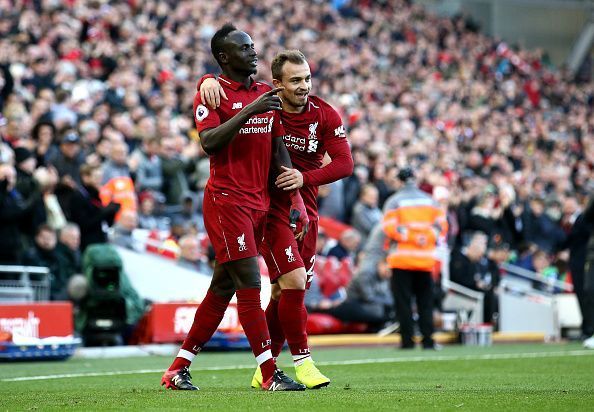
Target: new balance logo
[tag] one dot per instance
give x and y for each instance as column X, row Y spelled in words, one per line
column 274, row 386
column 289, row 253
column 176, row 380
column 241, row 242
column 237, row 105
column 266, row 343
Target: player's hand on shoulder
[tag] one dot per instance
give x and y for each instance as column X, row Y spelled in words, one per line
column 265, row 103
column 289, row 179
column 211, row 93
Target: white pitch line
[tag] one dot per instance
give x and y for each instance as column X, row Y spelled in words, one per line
column 494, row 356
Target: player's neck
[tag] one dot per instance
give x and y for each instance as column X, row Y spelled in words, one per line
column 289, row 108
column 239, row 77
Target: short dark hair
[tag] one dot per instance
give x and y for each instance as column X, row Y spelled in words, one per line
column 292, row 56
column 87, row 169
column 218, row 40
column 44, row 227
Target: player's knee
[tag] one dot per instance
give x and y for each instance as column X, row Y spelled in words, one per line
column 226, row 291
column 295, row 279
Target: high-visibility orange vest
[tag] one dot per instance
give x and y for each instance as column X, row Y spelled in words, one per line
column 414, row 224
column 119, row 190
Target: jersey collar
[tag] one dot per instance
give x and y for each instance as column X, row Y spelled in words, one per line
column 233, row 85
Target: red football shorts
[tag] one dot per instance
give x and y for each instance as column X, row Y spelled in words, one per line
column 283, row 254
column 235, row 232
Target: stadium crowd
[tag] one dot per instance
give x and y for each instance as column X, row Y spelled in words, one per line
column 96, row 125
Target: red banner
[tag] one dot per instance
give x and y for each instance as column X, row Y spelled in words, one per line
column 171, row 322
column 37, row 320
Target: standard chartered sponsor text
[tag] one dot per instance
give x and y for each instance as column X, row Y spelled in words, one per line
column 248, row 129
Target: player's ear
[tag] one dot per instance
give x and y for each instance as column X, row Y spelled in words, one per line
column 223, row 58
column 277, row 83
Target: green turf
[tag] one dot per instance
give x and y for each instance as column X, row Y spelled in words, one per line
column 561, row 379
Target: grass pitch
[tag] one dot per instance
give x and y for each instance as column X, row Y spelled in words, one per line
column 502, row 377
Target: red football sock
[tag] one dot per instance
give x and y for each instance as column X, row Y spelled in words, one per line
column 277, row 335
column 293, row 318
column 253, row 321
column 206, row 321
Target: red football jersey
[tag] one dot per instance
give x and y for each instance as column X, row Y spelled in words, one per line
column 308, row 136
column 240, row 170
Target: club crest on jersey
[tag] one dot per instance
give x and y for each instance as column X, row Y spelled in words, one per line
column 289, row 253
column 241, row 242
column 312, row 130
column 201, row 112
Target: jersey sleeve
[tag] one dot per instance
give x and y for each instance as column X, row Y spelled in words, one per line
column 335, row 143
column 333, row 131
column 277, row 130
column 204, row 117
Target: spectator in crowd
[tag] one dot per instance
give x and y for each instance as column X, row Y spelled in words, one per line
column 147, row 216
column 117, row 164
column 44, row 136
column 370, row 287
column 174, row 169
column 191, row 256
column 470, row 266
column 13, row 212
column 86, row 208
column 540, row 229
column 366, row 213
column 347, row 246
column 28, row 187
column 43, row 253
column 123, row 230
column 68, row 160
column 149, row 176
column 68, row 249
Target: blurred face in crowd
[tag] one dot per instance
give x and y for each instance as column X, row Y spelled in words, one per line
column 94, row 178
column 477, row 247
column 190, row 249
column 46, row 135
column 119, row 151
column 168, row 150
column 296, row 79
column 370, row 196
column 540, row 261
column 350, row 239
column 70, row 236
column 383, row 270
column 69, row 149
column 128, row 220
column 320, row 242
column 28, row 165
column 46, row 239
column 147, row 206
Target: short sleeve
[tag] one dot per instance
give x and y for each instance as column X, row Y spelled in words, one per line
column 204, row 117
